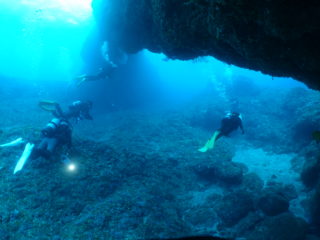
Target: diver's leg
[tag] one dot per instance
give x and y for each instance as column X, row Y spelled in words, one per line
column 214, row 138
column 219, row 135
column 35, row 153
column 46, row 147
column 39, row 150
column 42, row 148
column 52, row 143
column 43, row 144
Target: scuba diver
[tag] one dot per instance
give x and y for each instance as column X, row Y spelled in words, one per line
column 104, row 72
column 231, row 122
column 58, row 132
column 112, row 56
column 78, row 110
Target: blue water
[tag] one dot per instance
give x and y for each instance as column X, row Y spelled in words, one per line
column 139, row 174
column 45, row 41
column 42, row 40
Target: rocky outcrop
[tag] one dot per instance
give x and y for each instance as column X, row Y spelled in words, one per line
column 273, row 204
column 279, row 38
column 282, row 227
column 140, row 176
column 223, row 172
column 234, row 207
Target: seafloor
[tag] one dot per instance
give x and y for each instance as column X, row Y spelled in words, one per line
column 139, row 174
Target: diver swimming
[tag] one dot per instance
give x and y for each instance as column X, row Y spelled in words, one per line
column 231, row 122
column 103, row 72
column 112, row 57
column 77, row 111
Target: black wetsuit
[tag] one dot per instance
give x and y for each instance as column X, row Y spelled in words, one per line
column 78, row 110
column 230, row 123
column 57, row 132
column 104, row 72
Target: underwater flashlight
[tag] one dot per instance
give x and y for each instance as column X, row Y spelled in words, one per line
column 71, row 167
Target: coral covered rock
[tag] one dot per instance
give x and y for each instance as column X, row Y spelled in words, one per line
column 273, row 204
column 224, row 172
column 283, row 227
column 234, row 207
column 315, row 207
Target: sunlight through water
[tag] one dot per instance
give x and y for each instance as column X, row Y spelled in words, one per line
column 73, row 11
column 43, row 39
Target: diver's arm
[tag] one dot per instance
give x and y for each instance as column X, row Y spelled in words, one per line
column 58, row 112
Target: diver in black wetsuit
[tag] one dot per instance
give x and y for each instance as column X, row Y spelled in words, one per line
column 78, row 110
column 104, row 72
column 231, row 122
column 59, row 130
column 112, row 57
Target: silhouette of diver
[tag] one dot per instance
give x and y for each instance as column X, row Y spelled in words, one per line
column 78, row 110
column 57, row 132
column 231, row 122
column 104, row 72
column 112, row 57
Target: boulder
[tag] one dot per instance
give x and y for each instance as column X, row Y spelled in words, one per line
column 234, row 206
column 282, row 227
column 273, row 204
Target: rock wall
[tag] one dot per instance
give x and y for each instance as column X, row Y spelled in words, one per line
column 277, row 37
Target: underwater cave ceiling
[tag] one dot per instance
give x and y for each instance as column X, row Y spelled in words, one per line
column 277, row 37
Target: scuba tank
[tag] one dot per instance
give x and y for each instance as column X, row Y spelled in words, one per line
column 54, row 125
column 51, row 127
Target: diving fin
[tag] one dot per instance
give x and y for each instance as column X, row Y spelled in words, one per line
column 24, row 157
column 205, row 147
column 210, row 143
column 47, row 105
column 16, row 142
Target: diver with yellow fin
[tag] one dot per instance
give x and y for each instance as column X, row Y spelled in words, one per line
column 231, row 122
